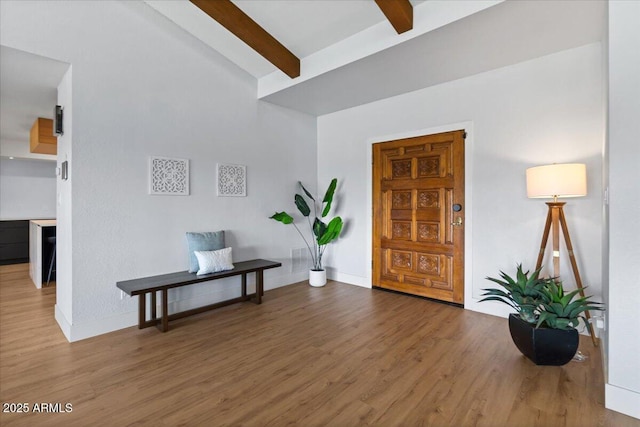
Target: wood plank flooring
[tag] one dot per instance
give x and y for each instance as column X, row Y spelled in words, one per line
column 334, row 356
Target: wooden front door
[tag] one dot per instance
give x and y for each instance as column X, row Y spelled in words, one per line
column 418, row 216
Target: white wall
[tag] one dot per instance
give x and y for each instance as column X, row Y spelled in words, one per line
column 622, row 391
column 538, row 112
column 142, row 87
column 27, row 189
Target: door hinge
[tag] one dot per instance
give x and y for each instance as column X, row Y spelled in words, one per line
column 464, row 135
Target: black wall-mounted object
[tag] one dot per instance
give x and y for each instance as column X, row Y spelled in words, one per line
column 57, row 121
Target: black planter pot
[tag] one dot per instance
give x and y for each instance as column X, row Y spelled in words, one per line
column 543, row 346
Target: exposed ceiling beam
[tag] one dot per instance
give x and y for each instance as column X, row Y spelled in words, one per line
column 398, row 12
column 246, row 29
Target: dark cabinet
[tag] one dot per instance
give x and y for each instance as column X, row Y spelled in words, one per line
column 14, row 242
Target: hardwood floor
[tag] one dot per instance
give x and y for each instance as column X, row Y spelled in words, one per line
column 334, row 356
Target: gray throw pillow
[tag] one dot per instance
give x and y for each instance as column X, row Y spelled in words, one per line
column 208, row 241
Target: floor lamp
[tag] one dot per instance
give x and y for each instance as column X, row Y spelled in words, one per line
column 556, row 181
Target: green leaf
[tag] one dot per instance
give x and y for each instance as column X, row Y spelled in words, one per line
column 319, row 228
column 504, row 301
column 499, row 282
column 556, row 307
column 302, row 205
column 332, row 232
column 495, row 292
column 520, row 276
column 283, row 217
column 544, row 317
column 328, row 197
column 306, row 192
column 562, row 323
column 566, row 298
column 507, row 278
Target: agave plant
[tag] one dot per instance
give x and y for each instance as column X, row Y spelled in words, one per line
column 559, row 310
column 322, row 233
column 524, row 293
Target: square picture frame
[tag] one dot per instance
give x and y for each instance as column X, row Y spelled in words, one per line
column 232, row 180
column 168, row 176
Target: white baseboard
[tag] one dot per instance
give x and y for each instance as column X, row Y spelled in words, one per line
column 622, row 400
column 63, row 323
column 92, row 328
column 350, row 279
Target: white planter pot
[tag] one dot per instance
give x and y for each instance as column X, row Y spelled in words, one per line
column 317, row 278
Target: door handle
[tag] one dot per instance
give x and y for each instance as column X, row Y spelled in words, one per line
column 458, row 222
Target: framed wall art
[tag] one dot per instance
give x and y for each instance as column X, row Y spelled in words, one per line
column 232, row 180
column 168, row 176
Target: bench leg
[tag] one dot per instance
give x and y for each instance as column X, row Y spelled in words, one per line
column 154, row 315
column 165, row 311
column 244, row 284
column 142, row 310
column 259, row 286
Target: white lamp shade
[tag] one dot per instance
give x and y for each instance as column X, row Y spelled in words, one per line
column 564, row 180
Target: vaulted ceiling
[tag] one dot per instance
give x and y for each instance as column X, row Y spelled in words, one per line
column 350, row 54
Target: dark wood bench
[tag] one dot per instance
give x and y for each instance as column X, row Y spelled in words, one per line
column 162, row 283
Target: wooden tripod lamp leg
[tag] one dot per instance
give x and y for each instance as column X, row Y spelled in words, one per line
column 545, row 238
column 553, row 217
column 576, row 273
column 555, row 227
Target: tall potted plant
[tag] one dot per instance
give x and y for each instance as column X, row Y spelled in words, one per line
column 322, row 233
column 544, row 330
